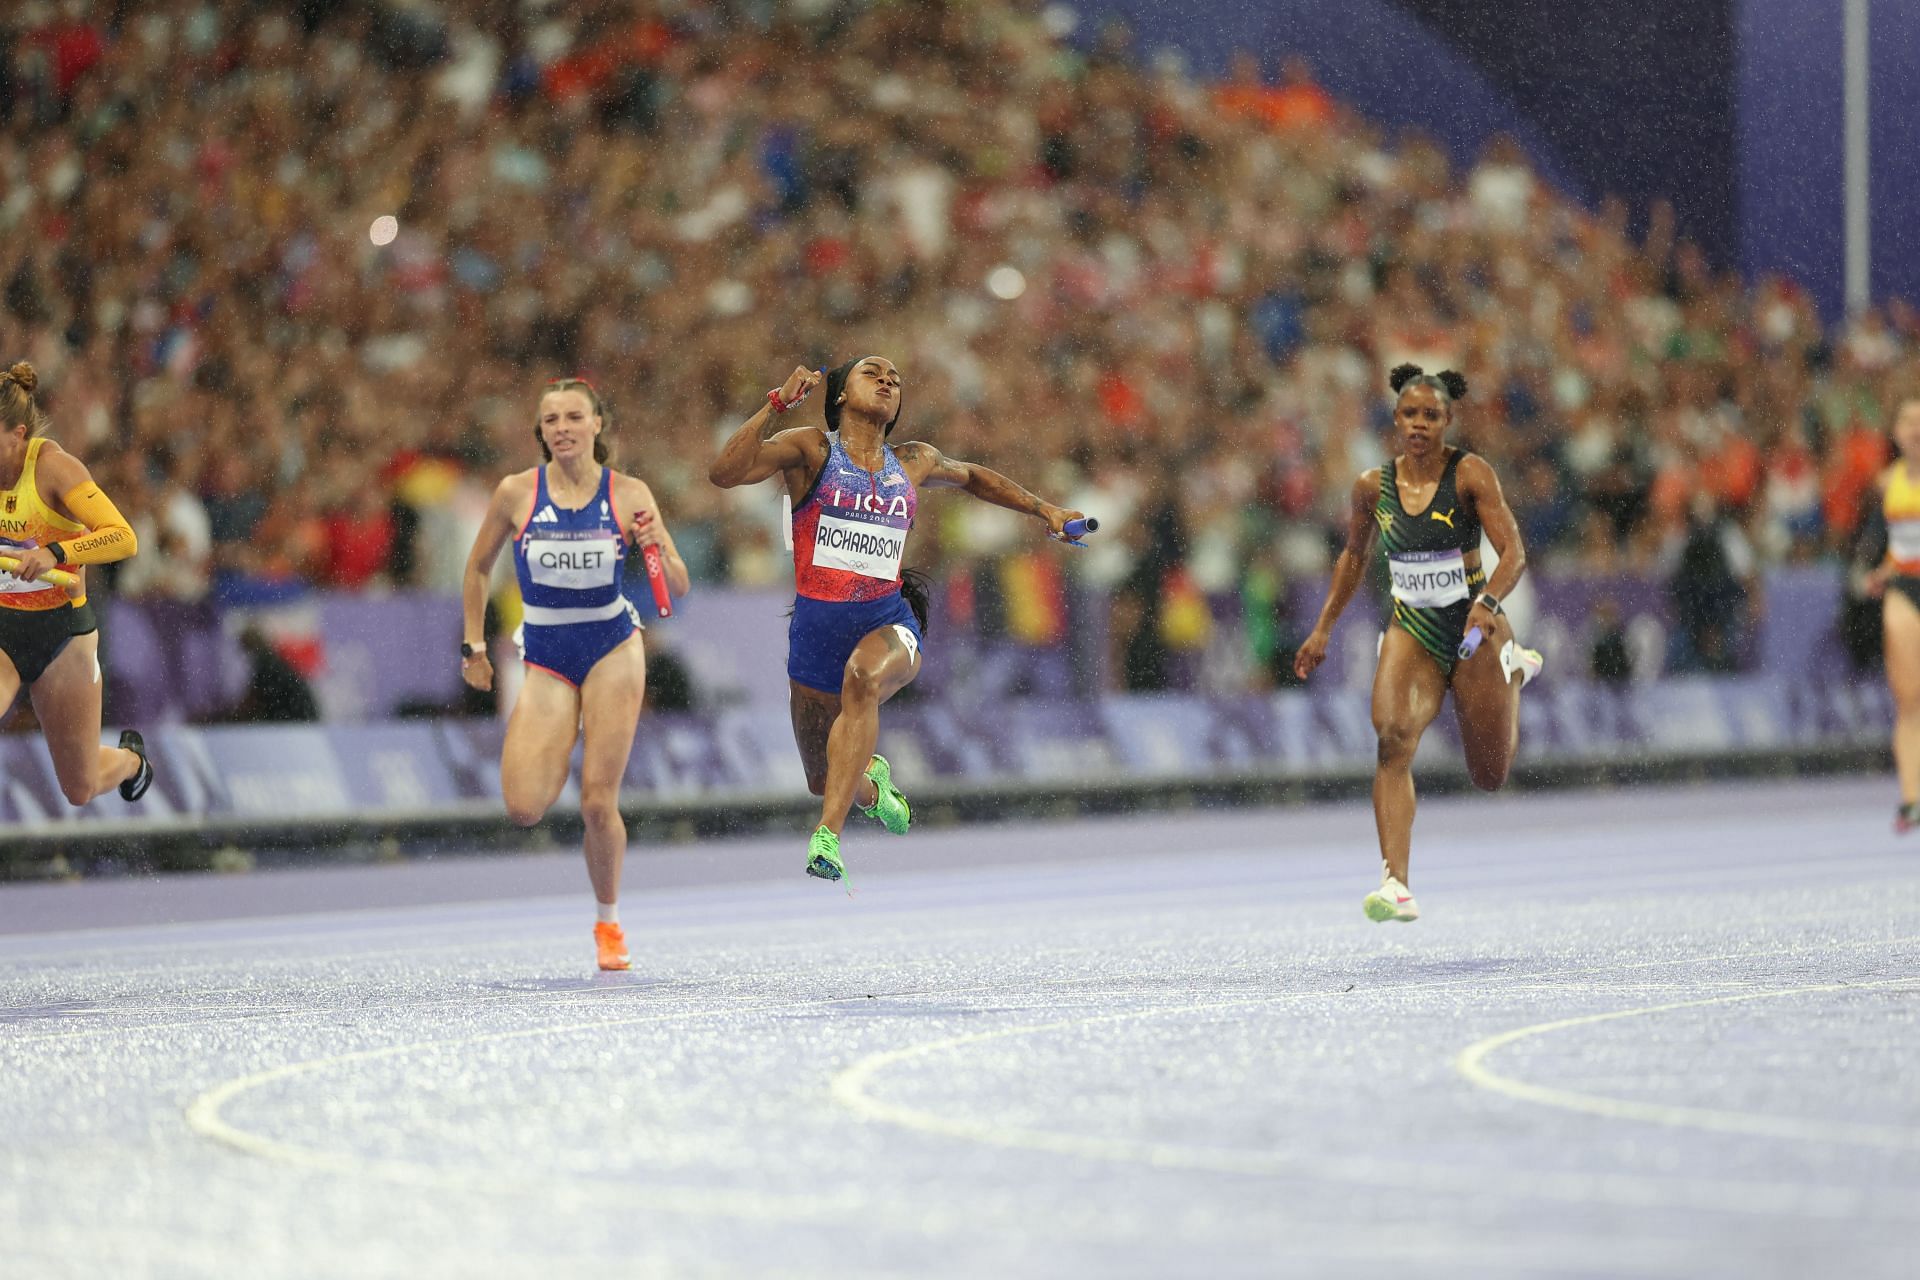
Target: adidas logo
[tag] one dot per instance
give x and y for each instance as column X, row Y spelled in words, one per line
column 547, row 515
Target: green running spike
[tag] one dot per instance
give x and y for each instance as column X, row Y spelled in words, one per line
column 823, row 856
column 889, row 807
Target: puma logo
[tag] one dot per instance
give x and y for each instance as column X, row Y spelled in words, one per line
column 1445, row 518
column 1385, row 519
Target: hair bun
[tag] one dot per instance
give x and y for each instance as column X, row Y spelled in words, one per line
column 23, row 374
column 1455, row 383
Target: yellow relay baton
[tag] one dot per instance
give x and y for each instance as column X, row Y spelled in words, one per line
column 52, row 577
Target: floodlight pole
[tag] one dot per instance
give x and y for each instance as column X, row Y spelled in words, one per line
column 1858, row 202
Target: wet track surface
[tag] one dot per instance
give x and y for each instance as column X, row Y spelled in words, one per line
column 1661, row 1034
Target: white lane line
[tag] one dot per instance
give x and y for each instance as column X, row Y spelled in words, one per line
column 1471, row 1063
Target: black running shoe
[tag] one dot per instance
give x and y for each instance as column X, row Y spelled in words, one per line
column 136, row 786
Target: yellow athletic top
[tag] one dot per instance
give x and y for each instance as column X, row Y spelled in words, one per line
column 1901, row 504
column 27, row 521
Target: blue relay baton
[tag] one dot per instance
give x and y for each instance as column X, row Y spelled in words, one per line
column 1470, row 644
column 1080, row 528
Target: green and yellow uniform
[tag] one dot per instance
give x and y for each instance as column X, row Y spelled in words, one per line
column 1433, row 559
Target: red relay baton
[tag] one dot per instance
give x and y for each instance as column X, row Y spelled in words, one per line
column 657, row 578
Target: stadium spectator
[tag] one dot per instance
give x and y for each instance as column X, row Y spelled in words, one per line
column 1076, row 255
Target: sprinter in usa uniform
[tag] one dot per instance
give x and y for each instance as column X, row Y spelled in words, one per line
column 858, row 617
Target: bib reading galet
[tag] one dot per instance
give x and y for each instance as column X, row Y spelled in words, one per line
column 573, row 563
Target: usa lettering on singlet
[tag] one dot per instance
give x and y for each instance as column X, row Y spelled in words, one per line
column 1428, row 579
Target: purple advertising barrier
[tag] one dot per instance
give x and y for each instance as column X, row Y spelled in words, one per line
column 378, row 654
column 733, row 640
column 375, row 656
column 366, row 656
column 359, row 773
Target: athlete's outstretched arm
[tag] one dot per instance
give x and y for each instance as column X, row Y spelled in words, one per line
column 108, row 537
column 1348, row 570
column 931, row 469
column 750, row 455
column 1481, row 486
column 502, row 511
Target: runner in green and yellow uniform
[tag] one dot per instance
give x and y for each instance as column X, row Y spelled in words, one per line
column 1429, row 505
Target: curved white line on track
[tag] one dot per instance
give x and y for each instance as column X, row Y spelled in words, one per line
column 204, row 1116
column 1471, row 1063
column 850, row 1088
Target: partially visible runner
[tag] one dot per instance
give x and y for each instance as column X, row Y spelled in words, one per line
column 571, row 522
column 858, row 619
column 1428, row 506
column 55, row 519
column 1897, row 579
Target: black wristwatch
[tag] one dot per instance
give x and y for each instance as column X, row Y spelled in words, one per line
column 59, row 552
column 467, row 651
column 1490, row 600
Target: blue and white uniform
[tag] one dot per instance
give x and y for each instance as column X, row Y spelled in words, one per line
column 569, row 563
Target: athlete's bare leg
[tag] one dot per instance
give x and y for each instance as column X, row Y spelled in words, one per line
column 612, row 696
column 9, row 687
column 539, row 746
column 1902, row 628
column 1408, row 688
column 66, row 698
column 882, row 664
column 813, row 715
column 1487, row 706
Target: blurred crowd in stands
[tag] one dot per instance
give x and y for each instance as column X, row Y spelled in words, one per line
column 1165, row 300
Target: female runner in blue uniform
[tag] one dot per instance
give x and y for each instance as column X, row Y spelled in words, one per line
column 1428, row 506
column 571, row 522
column 854, row 640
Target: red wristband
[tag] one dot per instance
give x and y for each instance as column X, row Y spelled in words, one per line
column 779, row 405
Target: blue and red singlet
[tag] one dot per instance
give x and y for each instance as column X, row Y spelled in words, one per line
column 569, row 562
column 849, row 538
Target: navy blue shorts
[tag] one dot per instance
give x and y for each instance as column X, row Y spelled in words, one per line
column 822, row 634
column 570, row 651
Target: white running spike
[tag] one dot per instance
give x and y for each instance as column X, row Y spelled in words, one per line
column 1525, row 661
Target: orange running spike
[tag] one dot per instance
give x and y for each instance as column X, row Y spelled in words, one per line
column 612, row 946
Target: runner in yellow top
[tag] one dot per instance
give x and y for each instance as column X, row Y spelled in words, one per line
column 1898, row 576
column 54, row 521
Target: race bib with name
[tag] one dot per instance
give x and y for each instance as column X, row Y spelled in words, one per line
column 576, row 564
column 1429, row 579
column 9, row 583
column 862, row 542
column 1903, row 540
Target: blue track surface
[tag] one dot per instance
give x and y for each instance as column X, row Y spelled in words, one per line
column 1637, row 1034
